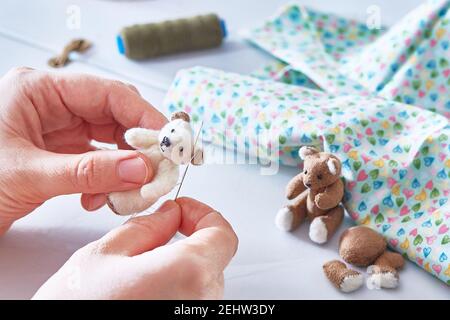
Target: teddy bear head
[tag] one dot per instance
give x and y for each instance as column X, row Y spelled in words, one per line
column 320, row 169
column 177, row 142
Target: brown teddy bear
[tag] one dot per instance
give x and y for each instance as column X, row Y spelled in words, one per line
column 364, row 247
column 316, row 193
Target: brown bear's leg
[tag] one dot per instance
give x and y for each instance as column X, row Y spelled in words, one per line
column 391, row 259
column 343, row 278
column 323, row 227
column 291, row 216
column 383, row 273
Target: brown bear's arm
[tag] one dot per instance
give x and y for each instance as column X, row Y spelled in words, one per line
column 331, row 196
column 295, row 186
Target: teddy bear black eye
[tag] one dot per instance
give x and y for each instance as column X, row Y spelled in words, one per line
column 181, row 149
column 173, row 130
column 305, row 172
column 319, row 176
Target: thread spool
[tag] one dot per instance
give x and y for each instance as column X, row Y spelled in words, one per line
column 144, row 41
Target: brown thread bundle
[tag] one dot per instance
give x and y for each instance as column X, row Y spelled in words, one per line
column 77, row 45
column 173, row 36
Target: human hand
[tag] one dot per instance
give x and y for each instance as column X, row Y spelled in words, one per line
column 134, row 262
column 47, row 123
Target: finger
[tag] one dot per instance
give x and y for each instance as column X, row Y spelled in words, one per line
column 4, row 227
column 132, row 87
column 72, row 149
column 142, row 234
column 83, row 135
column 101, row 171
column 92, row 202
column 58, row 98
column 209, row 234
column 103, row 133
column 120, row 140
column 109, row 133
column 74, row 134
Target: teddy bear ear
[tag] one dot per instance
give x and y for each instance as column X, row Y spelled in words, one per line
column 307, row 151
column 333, row 166
column 180, row 115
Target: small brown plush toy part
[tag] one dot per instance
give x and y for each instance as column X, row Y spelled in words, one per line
column 343, row 278
column 364, row 247
column 316, row 193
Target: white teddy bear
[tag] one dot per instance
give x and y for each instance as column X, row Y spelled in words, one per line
column 173, row 145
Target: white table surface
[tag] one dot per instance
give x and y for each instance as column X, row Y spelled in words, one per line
column 269, row 264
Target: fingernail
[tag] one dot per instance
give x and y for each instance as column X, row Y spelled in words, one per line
column 133, row 170
column 167, row 206
column 97, row 201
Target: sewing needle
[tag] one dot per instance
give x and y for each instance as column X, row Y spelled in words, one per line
column 189, row 163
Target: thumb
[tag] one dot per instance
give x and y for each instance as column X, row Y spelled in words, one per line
column 100, row 171
column 144, row 233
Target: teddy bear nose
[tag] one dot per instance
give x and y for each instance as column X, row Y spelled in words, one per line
column 166, row 142
column 308, row 185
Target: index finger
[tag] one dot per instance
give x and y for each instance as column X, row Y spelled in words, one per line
column 96, row 100
column 209, row 234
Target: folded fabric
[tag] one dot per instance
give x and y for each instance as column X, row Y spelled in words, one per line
column 280, row 71
column 396, row 157
column 408, row 63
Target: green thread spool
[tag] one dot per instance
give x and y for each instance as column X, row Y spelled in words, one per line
column 143, row 41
